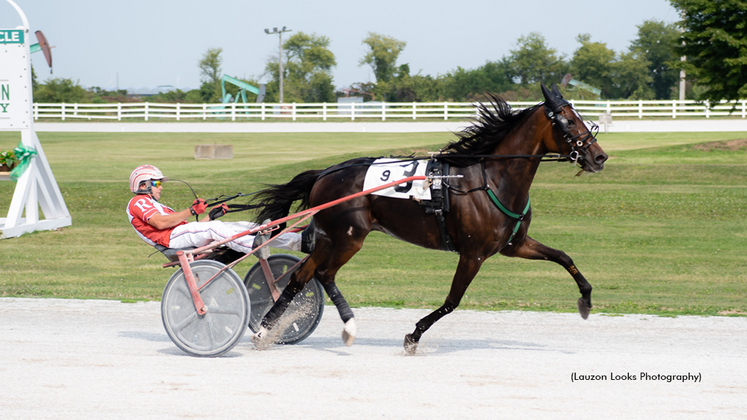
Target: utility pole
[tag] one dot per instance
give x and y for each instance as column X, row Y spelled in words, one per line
column 683, row 83
column 280, row 55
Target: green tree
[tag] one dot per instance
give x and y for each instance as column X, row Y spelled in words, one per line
column 209, row 92
column 618, row 76
column 715, row 46
column 533, row 61
column 382, row 55
column 307, row 71
column 61, row 90
column 210, row 74
column 210, row 65
column 593, row 63
column 469, row 85
column 103, row 96
column 631, row 77
column 655, row 43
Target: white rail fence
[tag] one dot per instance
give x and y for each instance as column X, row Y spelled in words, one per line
column 367, row 110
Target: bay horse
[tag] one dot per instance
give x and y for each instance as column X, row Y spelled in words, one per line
column 497, row 157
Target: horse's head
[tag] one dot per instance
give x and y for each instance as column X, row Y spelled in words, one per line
column 571, row 136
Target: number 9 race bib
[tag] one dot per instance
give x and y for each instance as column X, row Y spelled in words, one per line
column 387, row 170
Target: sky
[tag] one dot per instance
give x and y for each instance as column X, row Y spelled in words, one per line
column 137, row 44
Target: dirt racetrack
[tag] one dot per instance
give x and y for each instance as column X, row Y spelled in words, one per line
column 73, row 359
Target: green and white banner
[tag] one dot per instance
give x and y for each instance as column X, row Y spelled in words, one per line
column 12, row 36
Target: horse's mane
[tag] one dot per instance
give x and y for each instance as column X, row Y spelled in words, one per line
column 494, row 120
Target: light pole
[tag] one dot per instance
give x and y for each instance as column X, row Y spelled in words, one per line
column 280, row 56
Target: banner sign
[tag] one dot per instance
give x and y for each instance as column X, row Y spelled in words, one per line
column 15, row 80
column 11, row 36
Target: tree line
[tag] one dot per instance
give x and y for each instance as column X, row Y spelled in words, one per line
column 712, row 36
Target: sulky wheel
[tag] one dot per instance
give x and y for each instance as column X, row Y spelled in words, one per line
column 224, row 324
column 304, row 313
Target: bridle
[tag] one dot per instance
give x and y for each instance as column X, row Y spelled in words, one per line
column 581, row 142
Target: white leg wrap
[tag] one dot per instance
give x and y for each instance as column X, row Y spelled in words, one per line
column 349, row 332
column 260, row 339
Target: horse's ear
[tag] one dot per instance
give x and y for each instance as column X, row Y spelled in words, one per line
column 549, row 97
column 556, row 91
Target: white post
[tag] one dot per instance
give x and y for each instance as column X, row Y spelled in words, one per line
column 674, row 108
column 352, row 111
column 177, row 111
column 75, row 110
column 119, row 111
column 63, row 111
column 146, row 111
column 640, row 109
column 383, row 111
column 293, row 111
column 708, row 109
column 204, row 112
column 744, row 110
column 263, row 112
column 324, row 111
column 233, row 111
column 36, row 187
column 446, row 111
column 413, row 110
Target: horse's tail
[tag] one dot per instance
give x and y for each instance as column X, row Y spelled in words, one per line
column 275, row 202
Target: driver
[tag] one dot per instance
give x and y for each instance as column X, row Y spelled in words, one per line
column 156, row 223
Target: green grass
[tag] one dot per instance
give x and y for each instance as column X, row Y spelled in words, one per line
column 661, row 230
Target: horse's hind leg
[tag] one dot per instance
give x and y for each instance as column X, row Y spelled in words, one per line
column 346, row 314
column 533, row 250
column 343, row 250
column 297, row 282
column 328, row 256
column 466, row 271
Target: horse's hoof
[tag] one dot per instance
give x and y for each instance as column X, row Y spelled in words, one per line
column 260, row 340
column 583, row 309
column 410, row 345
column 349, row 332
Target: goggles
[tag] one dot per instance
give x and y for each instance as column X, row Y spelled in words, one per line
column 155, row 184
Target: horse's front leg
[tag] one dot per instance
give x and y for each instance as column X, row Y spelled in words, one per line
column 467, row 269
column 533, row 250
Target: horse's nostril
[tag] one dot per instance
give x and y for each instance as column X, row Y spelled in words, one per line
column 601, row 158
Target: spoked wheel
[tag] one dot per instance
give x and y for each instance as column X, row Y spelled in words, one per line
column 303, row 314
column 224, row 324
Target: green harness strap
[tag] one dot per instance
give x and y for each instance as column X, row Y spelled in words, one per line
column 519, row 217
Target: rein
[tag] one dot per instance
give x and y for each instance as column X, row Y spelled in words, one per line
column 232, row 208
column 554, row 157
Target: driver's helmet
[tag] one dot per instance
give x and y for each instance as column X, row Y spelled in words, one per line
column 144, row 173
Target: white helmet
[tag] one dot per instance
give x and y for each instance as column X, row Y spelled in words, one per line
column 144, row 173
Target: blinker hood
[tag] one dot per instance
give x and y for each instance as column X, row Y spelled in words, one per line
column 553, row 99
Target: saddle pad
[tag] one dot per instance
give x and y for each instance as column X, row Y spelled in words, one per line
column 383, row 171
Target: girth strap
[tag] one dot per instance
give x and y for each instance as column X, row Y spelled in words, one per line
column 439, row 201
column 518, row 217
